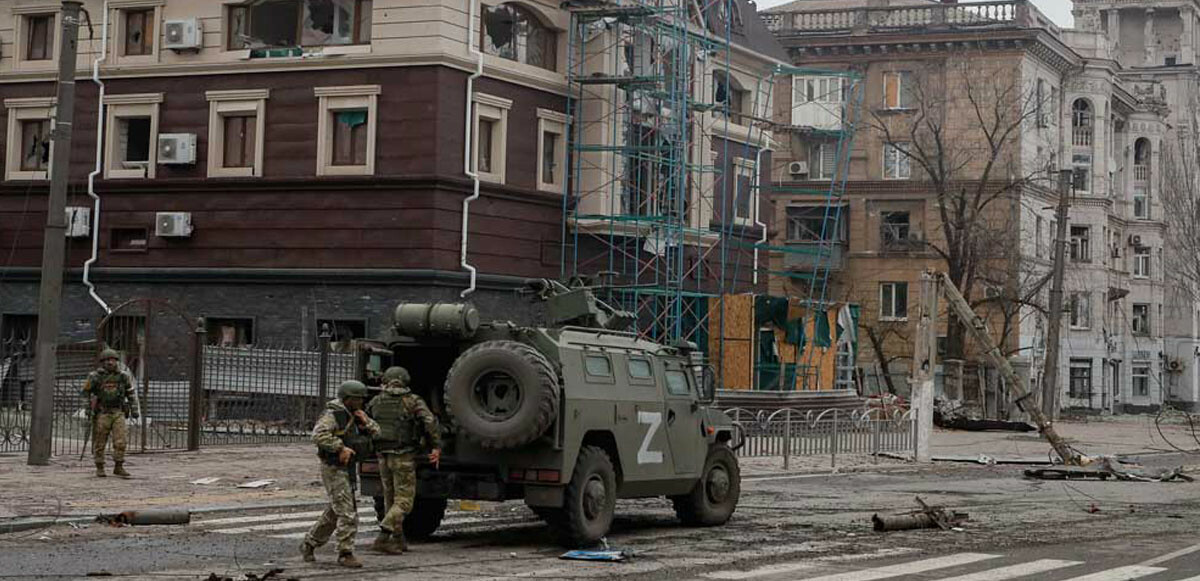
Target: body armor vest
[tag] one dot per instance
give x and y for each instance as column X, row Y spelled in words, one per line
column 352, row 437
column 396, row 424
column 109, row 389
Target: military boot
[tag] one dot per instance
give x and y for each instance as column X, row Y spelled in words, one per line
column 348, row 560
column 306, row 551
column 382, row 542
column 399, row 541
column 100, row 470
column 119, row 470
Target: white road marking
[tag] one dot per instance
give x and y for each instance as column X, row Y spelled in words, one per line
column 1120, row 573
column 269, row 517
column 1014, row 571
column 777, row 569
column 911, row 568
column 1169, row 556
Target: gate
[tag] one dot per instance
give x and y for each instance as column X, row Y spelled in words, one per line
column 157, row 342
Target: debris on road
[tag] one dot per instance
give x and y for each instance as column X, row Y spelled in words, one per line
column 272, row 574
column 207, row 480
column 954, row 415
column 158, row 516
column 1109, row 467
column 927, row 517
column 1067, row 474
column 990, row 461
column 256, row 484
column 606, row 555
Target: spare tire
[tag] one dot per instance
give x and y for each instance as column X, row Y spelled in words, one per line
column 502, row 394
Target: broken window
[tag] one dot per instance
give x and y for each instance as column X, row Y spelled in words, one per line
column 350, row 137
column 39, row 29
column 133, row 143
column 897, row 90
column 895, row 229
column 139, row 32
column 35, row 144
column 229, row 332
column 896, row 164
column 815, row 224
column 515, row 33
column 729, row 97
column 743, row 190
column 291, row 23
column 1080, row 306
column 1141, row 319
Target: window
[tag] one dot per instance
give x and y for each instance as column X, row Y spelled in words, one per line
column 132, row 135
column 235, row 132
column 1038, row 249
column 897, row 90
column 1141, row 378
column 1141, row 262
column 28, row 153
column 895, row 161
column 1081, row 249
column 1141, row 204
column 1081, row 379
column 1081, row 123
column 1040, row 102
column 515, row 33
column 1141, row 160
column 894, row 229
column 18, row 333
column 640, row 368
column 292, row 23
column 893, row 301
column 342, row 330
column 229, row 332
column 346, row 130
column 39, row 32
column 134, row 239
column 138, row 30
column 815, row 224
column 126, row 334
column 490, row 137
column 730, row 98
column 677, row 383
column 598, row 365
column 552, row 150
column 1081, row 172
column 1141, row 319
column 817, row 102
column 1080, row 306
column 822, row 161
column 745, row 198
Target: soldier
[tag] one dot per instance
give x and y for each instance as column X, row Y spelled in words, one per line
column 342, row 434
column 110, row 393
column 398, row 411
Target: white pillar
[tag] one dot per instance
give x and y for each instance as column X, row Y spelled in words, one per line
column 924, row 364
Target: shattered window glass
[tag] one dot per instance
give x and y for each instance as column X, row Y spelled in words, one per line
column 291, row 23
column 514, row 33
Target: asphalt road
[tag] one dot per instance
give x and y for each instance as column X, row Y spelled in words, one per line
column 799, row 527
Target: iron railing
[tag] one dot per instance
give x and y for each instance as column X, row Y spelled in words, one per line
column 792, row 432
column 1002, row 14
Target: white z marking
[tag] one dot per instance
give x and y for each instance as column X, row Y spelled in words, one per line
column 645, row 454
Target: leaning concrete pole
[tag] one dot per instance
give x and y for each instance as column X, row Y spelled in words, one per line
column 41, row 428
column 924, row 363
column 1050, row 388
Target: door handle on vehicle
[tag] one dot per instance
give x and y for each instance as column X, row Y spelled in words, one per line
column 670, row 417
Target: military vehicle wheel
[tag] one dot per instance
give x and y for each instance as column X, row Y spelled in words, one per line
column 712, row 501
column 502, row 394
column 425, row 518
column 589, row 500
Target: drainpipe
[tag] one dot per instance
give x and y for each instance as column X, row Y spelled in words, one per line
column 758, row 203
column 473, row 11
column 91, row 190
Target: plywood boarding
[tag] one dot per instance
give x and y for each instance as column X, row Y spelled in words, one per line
column 817, row 364
column 731, row 344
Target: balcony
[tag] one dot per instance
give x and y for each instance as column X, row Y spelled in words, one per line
column 983, row 15
column 802, row 256
column 1141, row 173
column 1081, row 136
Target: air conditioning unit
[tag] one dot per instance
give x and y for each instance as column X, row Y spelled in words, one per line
column 1135, row 241
column 798, row 168
column 183, row 34
column 1174, row 366
column 173, row 224
column 79, row 221
column 177, row 148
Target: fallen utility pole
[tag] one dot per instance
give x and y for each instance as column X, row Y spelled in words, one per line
column 55, row 241
column 1054, row 326
column 978, row 328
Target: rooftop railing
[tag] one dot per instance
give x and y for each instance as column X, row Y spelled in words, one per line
column 1002, row 14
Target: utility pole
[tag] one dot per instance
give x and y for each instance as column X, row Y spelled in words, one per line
column 924, row 362
column 54, row 244
column 1053, row 330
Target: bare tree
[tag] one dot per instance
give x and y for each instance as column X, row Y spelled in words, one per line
column 1180, row 192
column 961, row 135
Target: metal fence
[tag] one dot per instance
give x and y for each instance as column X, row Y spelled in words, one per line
column 69, row 410
column 257, row 395
column 791, row 432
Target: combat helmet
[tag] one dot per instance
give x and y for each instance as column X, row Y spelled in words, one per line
column 351, row 388
column 396, row 373
column 109, row 353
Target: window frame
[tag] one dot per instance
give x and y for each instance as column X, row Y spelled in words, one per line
column 1141, row 262
column 667, row 373
column 112, row 247
column 897, row 242
column 552, row 122
column 552, row 33
column 19, row 111
column 1134, row 376
column 345, row 98
column 334, row 320
column 1080, row 319
column 223, row 104
column 493, row 109
column 744, row 168
column 1146, row 327
column 903, row 80
column 649, row 380
column 1080, row 248
column 125, row 106
column 23, row 16
column 358, row 37
column 824, row 151
column 595, row 377
column 209, row 322
column 901, row 161
column 885, row 296
column 1073, row 365
column 122, row 8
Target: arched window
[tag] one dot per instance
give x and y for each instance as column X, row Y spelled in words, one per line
column 729, row 96
column 513, row 32
column 1082, row 119
column 1141, row 152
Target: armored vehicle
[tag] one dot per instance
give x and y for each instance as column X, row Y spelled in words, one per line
column 568, row 417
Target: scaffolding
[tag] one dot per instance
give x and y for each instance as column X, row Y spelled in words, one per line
column 667, row 141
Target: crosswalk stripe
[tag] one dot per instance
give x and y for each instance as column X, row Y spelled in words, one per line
column 1120, row 573
column 1014, row 571
column 269, row 517
column 277, row 526
column 1170, row 556
column 910, row 568
column 777, row 569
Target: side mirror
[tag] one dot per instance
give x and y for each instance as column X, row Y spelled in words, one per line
column 708, row 385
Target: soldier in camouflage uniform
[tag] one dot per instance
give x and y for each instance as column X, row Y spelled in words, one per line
column 110, row 393
column 342, row 434
column 399, row 413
